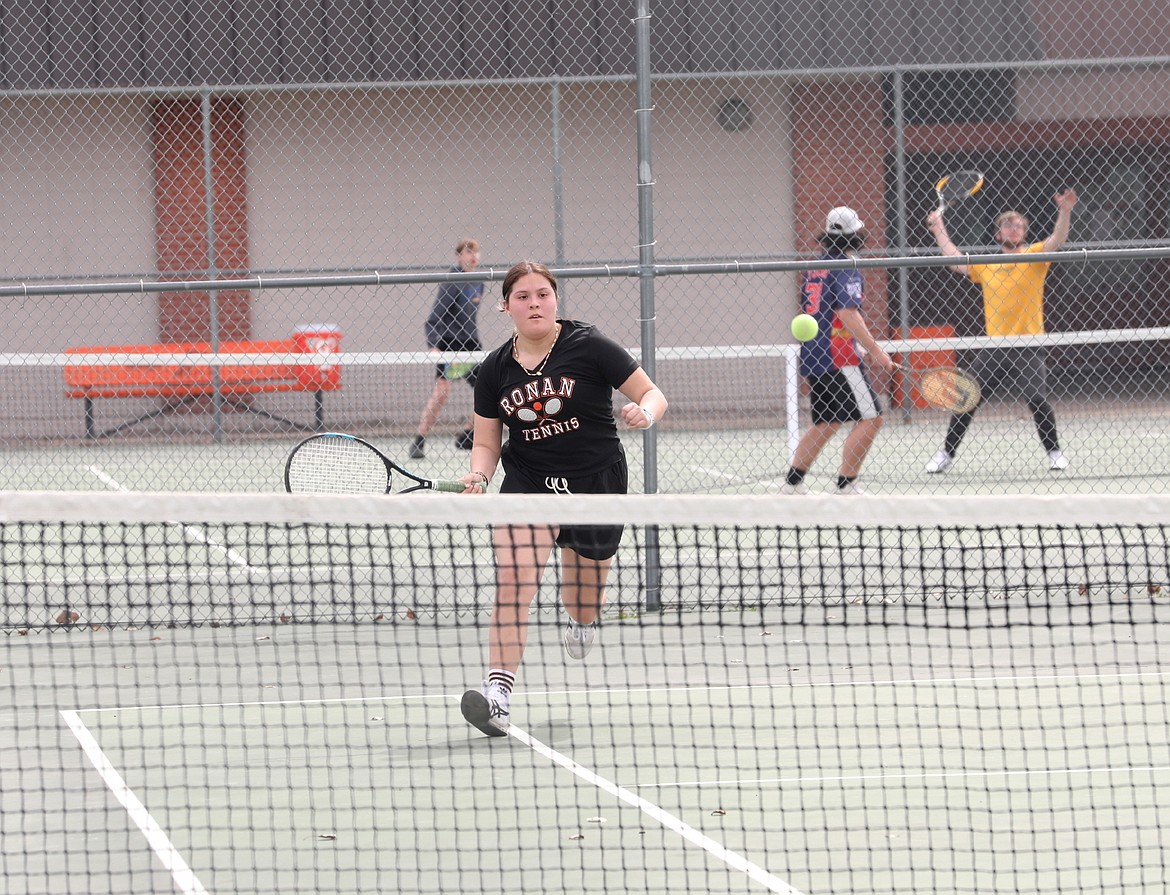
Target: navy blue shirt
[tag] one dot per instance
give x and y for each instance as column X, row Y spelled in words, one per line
column 822, row 294
column 452, row 322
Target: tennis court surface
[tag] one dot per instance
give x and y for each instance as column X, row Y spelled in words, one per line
column 260, row 693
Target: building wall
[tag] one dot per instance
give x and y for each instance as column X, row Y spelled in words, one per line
column 77, row 205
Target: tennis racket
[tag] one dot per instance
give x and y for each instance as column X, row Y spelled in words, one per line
column 956, row 187
column 947, row 388
column 459, row 370
column 334, row 463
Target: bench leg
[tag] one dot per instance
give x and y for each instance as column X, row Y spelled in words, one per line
column 91, row 431
column 138, row 420
column 318, row 415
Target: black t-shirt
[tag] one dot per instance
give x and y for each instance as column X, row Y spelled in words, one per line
column 560, row 422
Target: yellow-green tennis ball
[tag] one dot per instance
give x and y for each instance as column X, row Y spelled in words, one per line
column 804, row 327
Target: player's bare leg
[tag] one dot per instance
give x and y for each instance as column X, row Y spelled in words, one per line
column 521, row 554
column 857, row 444
column 434, row 405
column 807, row 450
column 583, row 596
column 812, row 443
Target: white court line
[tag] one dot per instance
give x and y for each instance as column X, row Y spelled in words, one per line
column 188, row 884
column 665, row 818
column 185, row 879
column 726, row 476
column 933, row 775
column 193, row 533
column 182, row 872
column 1114, row 676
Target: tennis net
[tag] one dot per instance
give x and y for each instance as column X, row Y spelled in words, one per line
column 259, row 693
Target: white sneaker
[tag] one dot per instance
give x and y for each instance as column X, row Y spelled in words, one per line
column 579, row 639
column 850, row 488
column 800, row 488
column 488, row 709
column 1057, row 460
column 940, row 462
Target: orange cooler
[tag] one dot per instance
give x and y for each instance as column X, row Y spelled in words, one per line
column 322, row 339
column 924, row 360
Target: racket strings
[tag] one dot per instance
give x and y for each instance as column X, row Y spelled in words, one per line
column 958, row 186
column 337, row 466
column 950, row 390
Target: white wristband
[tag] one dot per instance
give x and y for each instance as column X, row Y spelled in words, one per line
column 649, row 416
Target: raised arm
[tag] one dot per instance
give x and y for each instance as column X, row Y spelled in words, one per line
column 934, row 223
column 1064, row 206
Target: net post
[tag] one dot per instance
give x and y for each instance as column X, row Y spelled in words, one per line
column 646, row 280
column 653, row 570
column 792, row 395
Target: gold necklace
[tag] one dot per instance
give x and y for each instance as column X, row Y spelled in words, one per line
column 539, row 368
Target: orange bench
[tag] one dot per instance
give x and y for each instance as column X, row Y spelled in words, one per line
column 185, row 372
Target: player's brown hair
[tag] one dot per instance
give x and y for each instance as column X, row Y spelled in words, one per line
column 523, row 268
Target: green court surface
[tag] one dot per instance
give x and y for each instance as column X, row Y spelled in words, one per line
column 1001, row 455
column 809, row 751
column 261, row 714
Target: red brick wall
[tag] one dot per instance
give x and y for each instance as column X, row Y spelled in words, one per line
column 181, row 218
column 839, row 151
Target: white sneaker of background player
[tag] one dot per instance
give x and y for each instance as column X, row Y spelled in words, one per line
column 500, row 703
column 850, row 488
column 1057, row 460
column 940, row 462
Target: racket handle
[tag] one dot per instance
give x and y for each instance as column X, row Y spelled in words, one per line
column 448, row 485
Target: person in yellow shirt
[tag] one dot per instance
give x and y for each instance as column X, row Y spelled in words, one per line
column 1013, row 305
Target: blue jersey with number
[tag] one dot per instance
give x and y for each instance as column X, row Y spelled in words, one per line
column 822, row 294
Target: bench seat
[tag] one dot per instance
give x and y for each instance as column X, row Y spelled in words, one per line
column 145, row 371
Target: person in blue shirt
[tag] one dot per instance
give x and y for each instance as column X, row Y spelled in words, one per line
column 831, row 362
column 451, row 326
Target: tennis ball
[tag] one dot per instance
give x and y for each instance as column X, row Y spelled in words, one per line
column 804, row 327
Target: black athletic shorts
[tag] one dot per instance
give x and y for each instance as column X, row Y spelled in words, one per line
column 842, row 396
column 1011, row 372
column 591, row 541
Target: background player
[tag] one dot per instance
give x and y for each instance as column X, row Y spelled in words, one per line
column 451, row 326
column 839, row 389
column 1013, row 305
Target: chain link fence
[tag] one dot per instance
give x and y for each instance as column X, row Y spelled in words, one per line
column 228, row 222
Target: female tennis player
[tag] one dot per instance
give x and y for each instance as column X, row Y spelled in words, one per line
column 552, row 386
